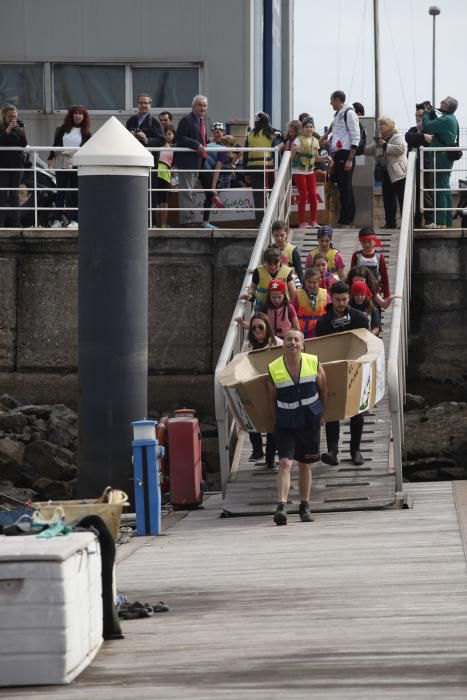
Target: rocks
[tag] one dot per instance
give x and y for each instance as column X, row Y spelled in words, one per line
column 10, row 494
column 414, row 401
column 436, row 442
column 38, row 447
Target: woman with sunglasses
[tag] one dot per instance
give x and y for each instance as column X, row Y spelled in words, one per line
column 260, row 335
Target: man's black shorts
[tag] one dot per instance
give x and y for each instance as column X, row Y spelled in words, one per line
column 302, row 444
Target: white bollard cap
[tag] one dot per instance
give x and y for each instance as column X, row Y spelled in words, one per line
column 113, row 150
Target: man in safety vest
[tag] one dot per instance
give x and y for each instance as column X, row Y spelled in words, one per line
column 298, row 391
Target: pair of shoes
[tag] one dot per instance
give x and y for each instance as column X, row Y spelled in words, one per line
column 165, row 226
column 441, row 226
column 135, row 610
column 271, row 465
column 255, row 456
column 208, row 225
column 432, row 225
column 357, row 458
column 304, row 512
column 56, row 224
column 330, row 458
column 73, row 224
column 314, row 224
column 280, row 516
column 304, row 224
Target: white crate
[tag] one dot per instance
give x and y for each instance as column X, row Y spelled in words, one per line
column 50, row 607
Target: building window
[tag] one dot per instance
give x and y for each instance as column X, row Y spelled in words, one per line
column 22, row 84
column 96, row 87
column 170, row 87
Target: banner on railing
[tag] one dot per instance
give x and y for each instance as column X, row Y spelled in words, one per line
column 239, row 206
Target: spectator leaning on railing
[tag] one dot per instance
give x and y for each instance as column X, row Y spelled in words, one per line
column 12, row 135
column 445, row 130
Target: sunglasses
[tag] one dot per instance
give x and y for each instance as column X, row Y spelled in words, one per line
column 258, row 328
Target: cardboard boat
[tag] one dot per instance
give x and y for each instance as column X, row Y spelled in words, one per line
column 355, row 371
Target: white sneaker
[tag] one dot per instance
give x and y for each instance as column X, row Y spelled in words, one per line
column 432, row 225
column 73, row 224
column 56, row 224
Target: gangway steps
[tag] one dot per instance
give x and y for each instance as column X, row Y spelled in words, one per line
column 251, row 489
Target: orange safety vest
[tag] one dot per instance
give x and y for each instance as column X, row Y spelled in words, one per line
column 307, row 315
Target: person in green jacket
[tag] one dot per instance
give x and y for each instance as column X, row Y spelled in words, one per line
column 444, row 130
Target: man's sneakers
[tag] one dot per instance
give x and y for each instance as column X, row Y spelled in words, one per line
column 280, row 516
column 330, row 458
column 304, row 512
column 256, row 456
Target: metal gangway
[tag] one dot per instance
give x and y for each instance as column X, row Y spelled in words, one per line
column 249, row 488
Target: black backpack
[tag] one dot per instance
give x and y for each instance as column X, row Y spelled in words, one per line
column 362, row 143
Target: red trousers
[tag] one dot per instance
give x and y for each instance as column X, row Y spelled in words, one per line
column 306, row 185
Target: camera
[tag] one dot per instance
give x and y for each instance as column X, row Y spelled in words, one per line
column 425, row 106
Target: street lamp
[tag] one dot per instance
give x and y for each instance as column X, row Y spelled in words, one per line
column 434, row 11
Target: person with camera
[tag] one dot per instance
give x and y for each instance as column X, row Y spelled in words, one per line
column 415, row 138
column 147, row 130
column 340, row 316
column 445, row 132
column 12, row 135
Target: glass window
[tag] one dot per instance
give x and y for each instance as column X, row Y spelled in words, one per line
column 169, row 87
column 95, row 87
column 22, row 84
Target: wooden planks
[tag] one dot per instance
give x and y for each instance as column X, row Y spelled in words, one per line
column 359, row 605
column 251, row 489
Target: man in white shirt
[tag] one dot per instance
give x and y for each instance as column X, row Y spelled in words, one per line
column 343, row 143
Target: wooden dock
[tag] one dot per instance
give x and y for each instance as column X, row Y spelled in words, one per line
column 362, row 605
column 251, row 489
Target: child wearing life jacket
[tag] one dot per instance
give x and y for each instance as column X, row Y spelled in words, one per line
column 163, row 177
column 305, row 152
column 360, row 298
column 289, row 253
column 310, row 302
column 334, row 257
column 327, row 279
column 363, row 273
column 372, row 258
column 278, row 309
column 263, row 274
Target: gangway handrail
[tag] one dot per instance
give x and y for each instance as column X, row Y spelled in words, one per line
column 398, row 355
column 278, row 208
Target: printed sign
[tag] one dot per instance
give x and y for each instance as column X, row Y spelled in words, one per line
column 319, row 193
column 239, row 206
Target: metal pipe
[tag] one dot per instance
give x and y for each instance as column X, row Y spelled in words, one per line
column 434, row 12
column 376, row 57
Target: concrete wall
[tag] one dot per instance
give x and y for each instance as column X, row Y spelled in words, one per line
column 438, row 347
column 194, row 282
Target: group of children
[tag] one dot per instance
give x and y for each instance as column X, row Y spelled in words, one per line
column 291, row 298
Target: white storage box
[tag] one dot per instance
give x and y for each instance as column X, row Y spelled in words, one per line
column 50, row 607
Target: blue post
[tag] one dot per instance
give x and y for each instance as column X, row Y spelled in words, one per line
column 146, row 453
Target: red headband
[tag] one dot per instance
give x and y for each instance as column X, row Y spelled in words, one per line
column 360, row 287
column 371, row 237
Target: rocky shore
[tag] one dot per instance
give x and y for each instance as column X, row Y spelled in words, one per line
column 435, row 440
column 39, row 445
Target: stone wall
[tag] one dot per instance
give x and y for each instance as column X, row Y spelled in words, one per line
column 438, row 337
column 194, row 281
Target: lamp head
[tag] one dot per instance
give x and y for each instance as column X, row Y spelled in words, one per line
column 433, row 10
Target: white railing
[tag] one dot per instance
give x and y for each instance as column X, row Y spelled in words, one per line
column 38, row 187
column 278, row 208
column 458, row 170
column 397, row 356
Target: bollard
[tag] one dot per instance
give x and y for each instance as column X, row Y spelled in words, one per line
column 146, row 455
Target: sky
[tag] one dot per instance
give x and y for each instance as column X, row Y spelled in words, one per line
column 333, row 50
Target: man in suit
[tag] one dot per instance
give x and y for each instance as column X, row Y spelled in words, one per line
column 145, row 127
column 191, row 133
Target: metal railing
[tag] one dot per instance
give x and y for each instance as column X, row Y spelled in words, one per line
column 398, row 353
column 38, row 187
column 458, row 170
column 278, row 208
